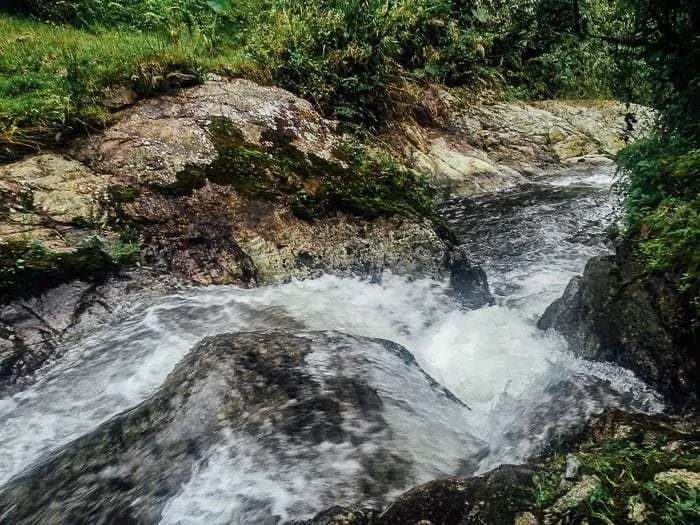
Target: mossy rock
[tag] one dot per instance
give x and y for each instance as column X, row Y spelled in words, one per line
column 356, row 182
column 29, row 267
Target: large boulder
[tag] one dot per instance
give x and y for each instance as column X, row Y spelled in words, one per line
column 294, row 406
column 471, row 148
column 616, row 313
column 218, row 181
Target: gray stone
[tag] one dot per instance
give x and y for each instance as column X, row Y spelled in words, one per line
column 615, row 313
column 579, row 493
column 292, row 394
column 573, row 464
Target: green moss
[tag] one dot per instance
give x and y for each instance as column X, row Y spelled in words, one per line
column 256, row 172
column 365, row 184
column 119, row 194
column 29, row 267
column 186, row 182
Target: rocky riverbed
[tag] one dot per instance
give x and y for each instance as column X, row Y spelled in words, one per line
column 298, row 398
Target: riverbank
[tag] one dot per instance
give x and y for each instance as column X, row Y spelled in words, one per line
column 131, row 181
column 515, row 411
column 237, row 183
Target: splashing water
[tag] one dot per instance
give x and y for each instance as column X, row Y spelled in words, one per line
column 522, row 385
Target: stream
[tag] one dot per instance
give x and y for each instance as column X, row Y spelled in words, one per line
column 523, row 386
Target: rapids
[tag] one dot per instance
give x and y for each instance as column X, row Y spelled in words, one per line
column 523, row 386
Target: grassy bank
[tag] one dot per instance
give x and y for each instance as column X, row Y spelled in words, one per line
column 355, row 60
column 56, row 80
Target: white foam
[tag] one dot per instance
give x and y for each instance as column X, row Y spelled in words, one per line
column 494, row 359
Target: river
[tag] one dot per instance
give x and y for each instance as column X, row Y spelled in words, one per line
column 523, row 386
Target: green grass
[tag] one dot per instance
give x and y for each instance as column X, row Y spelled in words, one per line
column 53, row 77
column 628, row 469
column 357, row 61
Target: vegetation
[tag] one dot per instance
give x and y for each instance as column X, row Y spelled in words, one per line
column 645, row 471
column 661, row 177
column 63, row 63
column 29, row 267
column 356, row 60
column 54, row 78
column 368, row 183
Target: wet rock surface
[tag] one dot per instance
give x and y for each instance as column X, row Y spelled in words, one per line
column 540, row 492
column 290, row 392
column 36, row 331
column 612, row 313
column 214, row 181
column 493, row 499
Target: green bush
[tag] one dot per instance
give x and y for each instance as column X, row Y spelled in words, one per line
column 661, row 190
column 655, row 169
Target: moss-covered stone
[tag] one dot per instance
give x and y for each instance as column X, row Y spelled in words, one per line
column 28, row 267
column 634, row 469
column 186, row 181
column 357, row 182
column 625, row 462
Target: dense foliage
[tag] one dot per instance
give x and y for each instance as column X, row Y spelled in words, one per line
column 662, row 173
column 356, row 60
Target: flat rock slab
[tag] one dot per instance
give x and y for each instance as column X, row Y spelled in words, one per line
column 43, row 196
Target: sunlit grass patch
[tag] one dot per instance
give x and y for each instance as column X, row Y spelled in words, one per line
column 53, row 78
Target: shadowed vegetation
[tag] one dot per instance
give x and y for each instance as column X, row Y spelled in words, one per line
column 355, row 60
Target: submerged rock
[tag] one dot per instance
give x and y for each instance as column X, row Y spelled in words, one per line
column 31, row 329
column 613, row 313
column 468, row 282
column 493, row 499
column 298, row 404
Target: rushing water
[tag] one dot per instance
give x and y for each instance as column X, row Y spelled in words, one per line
column 521, row 384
